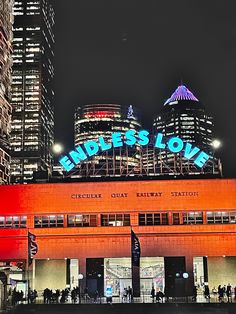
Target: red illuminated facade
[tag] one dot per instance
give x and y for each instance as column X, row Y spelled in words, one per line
column 93, row 220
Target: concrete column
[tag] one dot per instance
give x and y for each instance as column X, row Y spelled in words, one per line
column 189, row 270
column 82, row 270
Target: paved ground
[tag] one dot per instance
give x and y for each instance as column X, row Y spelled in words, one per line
column 136, row 308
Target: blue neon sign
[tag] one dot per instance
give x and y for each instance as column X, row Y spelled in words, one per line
column 130, row 138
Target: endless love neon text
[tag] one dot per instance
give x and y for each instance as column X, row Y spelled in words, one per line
column 131, row 137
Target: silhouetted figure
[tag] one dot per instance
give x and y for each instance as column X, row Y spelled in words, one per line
column 228, row 293
column 96, row 295
column 194, row 293
column 125, row 295
column 206, row 292
column 221, row 293
column 63, row 297
column 159, row 295
column 130, row 294
column 73, row 295
column 57, row 295
column 224, row 291
column 14, row 297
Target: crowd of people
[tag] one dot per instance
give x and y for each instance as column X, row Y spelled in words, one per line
column 223, row 293
column 15, row 296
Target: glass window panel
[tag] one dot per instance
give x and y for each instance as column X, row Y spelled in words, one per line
column 210, row 218
column 126, row 220
column 37, row 221
column 2, row 222
column 60, row 221
column 23, row 220
column 157, row 219
column 185, row 218
column 225, row 218
column 176, row 220
column 232, row 218
column 218, row 217
column 45, row 220
column 191, row 218
column 16, row 222
column 86, row 220
column 104, row 220
column 52, row 221
column 149, row 219
column 112, row 220
column 142, row 219
column 93, row 220
column 164, row 219
column 71, row 220
column 119, row 220
column 8, row 223
column 78, row 220
column 198, row 218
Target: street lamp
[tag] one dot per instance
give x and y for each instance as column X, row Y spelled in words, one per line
column 185, row 276
column 57, row 148
column 99, row 290
column 80, row 277
column 216, row 144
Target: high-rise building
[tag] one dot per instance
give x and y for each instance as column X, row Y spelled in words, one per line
column 32, row 132
column 94, row 120
column 6, row 20
column 183, row 115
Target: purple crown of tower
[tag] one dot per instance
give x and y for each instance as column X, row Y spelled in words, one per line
column 181, row 93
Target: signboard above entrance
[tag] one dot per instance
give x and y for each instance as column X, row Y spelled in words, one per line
column 131, row 137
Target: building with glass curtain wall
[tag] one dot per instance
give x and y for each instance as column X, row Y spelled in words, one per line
column 94, row 120
column 183, row 115
column 32, row 133
column 6, row 20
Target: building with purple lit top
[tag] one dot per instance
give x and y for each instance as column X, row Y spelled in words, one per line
column 183, row 115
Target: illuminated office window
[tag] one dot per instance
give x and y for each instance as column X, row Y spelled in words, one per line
column 80, row 220
column 115, row 220
column 13, row 222
column 50, row 221
column 175, row 218
column 192, row 218
column 152, row 219
column 221, row 217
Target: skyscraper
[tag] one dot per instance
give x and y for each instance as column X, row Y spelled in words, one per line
column 6, row 20
column 94, row 120
column 183, row 115
column 32, row 132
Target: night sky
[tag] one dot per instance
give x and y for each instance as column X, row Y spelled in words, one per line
column 137, row 52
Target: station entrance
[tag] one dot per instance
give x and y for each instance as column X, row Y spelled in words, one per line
column 214, row 271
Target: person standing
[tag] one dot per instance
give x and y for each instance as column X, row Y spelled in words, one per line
column 207, row 292
column 228, row 292
column 194, row 293
column 153, row 294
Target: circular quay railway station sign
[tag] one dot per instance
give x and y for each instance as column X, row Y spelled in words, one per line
column 130, row 138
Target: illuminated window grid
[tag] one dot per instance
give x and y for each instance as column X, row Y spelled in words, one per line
column 13, row 222
column 221, row 217
column 49, row 221
column 153, row 219
column 82, row 220
column 190, row 218
column 117, row 220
